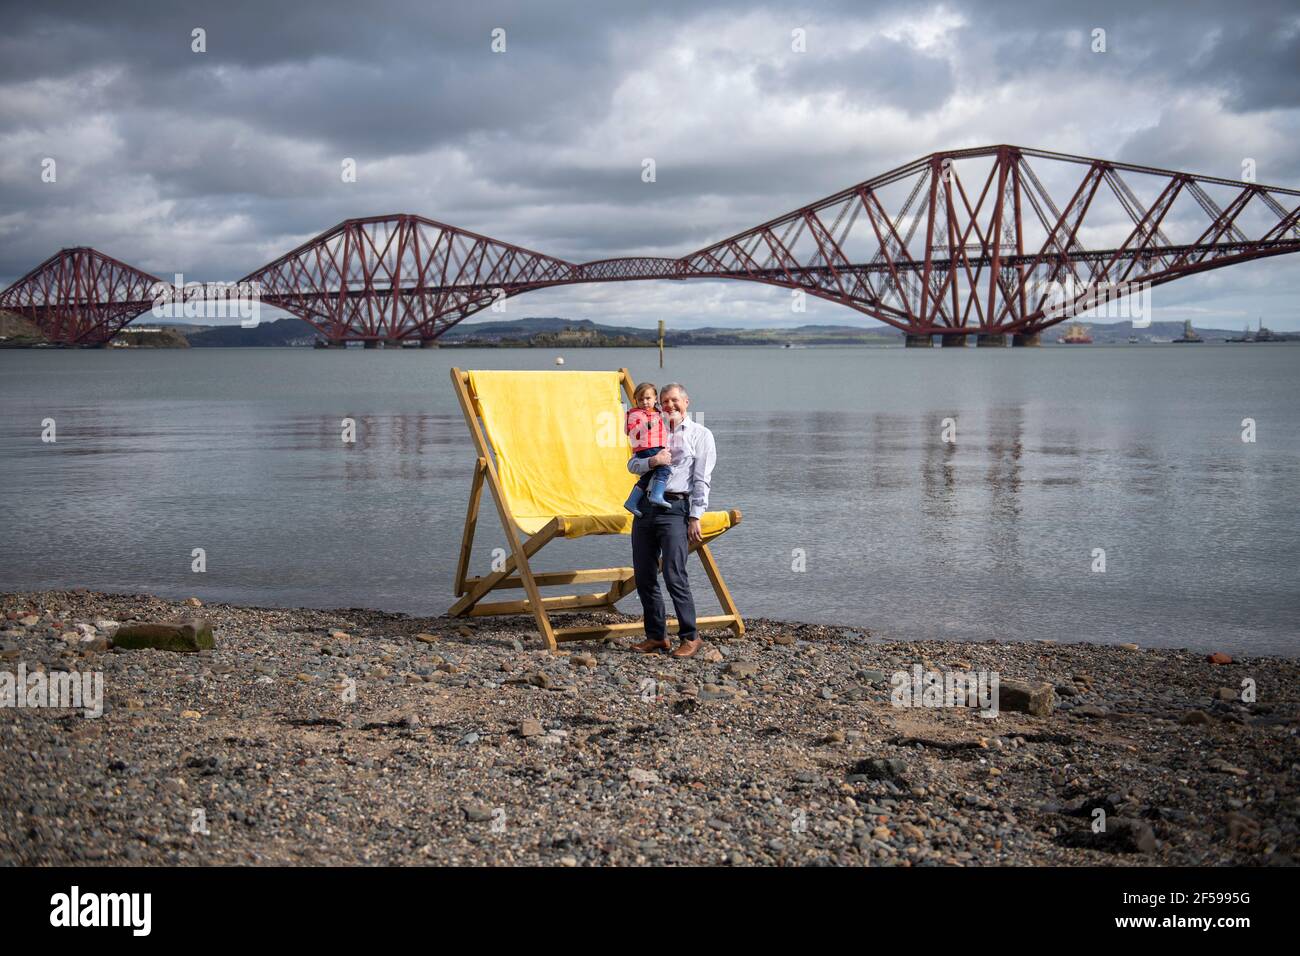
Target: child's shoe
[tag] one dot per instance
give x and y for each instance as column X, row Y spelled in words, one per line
column 634, row 499
column 656, row 494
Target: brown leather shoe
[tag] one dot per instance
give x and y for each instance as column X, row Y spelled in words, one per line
column 688, row 648
column 650, row 645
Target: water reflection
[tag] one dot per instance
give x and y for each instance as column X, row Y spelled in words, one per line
column 839, row 453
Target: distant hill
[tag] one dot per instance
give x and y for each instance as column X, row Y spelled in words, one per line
column 798, row 335
column 149, row 337
column 543, row 330
column 546, row 332
column 1110, row 333
column 17, row 332
column 281, row 332
column 557, row 332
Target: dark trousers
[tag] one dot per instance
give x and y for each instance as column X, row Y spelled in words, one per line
column 663, row 532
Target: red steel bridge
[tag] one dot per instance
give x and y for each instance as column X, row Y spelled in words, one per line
column 990, row 241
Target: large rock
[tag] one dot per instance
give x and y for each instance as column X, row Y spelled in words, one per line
column 743, row 669
column 187, row 636
column 878, row 768
column 1036, row 698
column 1125, row 835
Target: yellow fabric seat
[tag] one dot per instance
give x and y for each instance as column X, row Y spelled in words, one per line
column 712, row 524
column 553, row 452
column 561, row 450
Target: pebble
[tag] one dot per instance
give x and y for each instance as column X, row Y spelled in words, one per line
column 1092, row 711
column 372, row 761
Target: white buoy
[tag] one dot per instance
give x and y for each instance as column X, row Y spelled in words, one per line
column 559, row 360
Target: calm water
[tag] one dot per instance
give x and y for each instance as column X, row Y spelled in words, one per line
column 838, row 452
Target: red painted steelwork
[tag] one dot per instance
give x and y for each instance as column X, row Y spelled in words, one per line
column 80, row 296
column 958, row 242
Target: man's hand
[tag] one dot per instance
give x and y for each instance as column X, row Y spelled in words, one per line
column 664, row 457
column 693, row 533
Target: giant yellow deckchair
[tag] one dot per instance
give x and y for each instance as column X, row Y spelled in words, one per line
column 553, row 452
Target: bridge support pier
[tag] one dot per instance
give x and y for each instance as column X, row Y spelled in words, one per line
column 371, row 344
column 917, row 341
column 1027, row 340
column 428, row 343
column 952, row 341
column 990, row 340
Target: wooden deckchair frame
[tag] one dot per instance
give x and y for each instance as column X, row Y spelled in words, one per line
column 470, row 591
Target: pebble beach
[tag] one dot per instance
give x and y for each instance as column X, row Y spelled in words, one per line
column 310, row 737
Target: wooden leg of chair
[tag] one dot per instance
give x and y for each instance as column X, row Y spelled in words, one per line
column 459, row 380
column 484, row 585
column 471, row 521
column 720, row 588
column 534, row 594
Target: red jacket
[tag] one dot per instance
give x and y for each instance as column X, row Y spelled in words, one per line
column 646, row 429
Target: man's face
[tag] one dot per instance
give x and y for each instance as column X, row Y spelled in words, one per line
column 674, row 405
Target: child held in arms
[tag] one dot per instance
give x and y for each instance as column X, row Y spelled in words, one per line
column 647, row 435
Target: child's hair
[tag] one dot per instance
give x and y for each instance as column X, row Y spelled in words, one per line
column 642, row 388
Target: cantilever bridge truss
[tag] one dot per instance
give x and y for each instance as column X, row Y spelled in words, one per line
column 985, row 241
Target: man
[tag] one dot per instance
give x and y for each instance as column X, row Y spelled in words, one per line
column 690, row 455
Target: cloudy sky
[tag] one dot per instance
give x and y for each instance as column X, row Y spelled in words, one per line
column 214, row 163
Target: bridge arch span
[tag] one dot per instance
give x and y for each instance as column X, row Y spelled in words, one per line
column 959, row 242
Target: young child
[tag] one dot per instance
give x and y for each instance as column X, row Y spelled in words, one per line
column 647, row 434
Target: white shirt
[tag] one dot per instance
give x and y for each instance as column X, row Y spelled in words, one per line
column 694, row 455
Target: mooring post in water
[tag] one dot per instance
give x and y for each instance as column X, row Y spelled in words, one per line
column 661, row 343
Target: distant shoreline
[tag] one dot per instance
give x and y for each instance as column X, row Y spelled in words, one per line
column 560, row 333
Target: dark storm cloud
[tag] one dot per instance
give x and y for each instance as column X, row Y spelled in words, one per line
column 1257, row 57
column 405, row 75
column 1249, row 52
column 215, row 163
column 882, row 73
